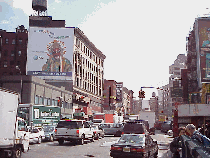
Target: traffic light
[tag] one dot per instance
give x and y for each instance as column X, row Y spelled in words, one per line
column 59, row 101
column 141, row 94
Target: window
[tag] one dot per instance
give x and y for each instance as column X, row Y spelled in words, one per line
column 5, row 53
column 13, row 41
column 36, row 100
column 49, row 101
column 5, row 63
column 6, row 41
column 12, row 53
column 40, row 100
column 55, row 103
column 20, row 41
column 19, row 53
column 45, row 101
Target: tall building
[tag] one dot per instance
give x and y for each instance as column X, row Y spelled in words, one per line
column 13, row 50
column 198, row 61
column 61, row 56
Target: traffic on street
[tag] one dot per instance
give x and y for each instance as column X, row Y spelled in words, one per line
column 99, row 148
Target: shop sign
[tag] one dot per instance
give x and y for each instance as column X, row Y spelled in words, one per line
column 184, row 120
column 193, row 110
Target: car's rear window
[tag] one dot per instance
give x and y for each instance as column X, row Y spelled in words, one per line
column 133, row 128
column 131, row 139
column 69, row 124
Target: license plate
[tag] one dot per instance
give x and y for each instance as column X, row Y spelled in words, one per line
column 126, row 149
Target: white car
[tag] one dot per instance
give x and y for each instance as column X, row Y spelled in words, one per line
column 35, row 135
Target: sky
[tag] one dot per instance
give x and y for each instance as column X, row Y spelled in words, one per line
column 140, row 39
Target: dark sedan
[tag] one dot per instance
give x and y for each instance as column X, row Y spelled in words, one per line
column 134, row 145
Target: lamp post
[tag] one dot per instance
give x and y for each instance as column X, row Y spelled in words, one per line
column 17, row 67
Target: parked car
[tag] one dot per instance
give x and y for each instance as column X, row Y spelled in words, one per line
column 99, row 133
column 112, row 128
column 49, row 131
column 166, row 126
column 135, row 127
column 134, row 145
column 35, row 135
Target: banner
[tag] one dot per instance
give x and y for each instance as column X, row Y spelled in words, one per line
column 50, row 52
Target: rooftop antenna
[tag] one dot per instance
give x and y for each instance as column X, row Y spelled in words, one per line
column 39, row 7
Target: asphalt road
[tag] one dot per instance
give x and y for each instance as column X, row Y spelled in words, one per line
column 98, row 148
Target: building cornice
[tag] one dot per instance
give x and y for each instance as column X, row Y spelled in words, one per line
column 79, row 34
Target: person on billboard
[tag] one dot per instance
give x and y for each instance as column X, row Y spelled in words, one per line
column 57, row 62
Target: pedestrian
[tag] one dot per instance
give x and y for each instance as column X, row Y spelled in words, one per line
column 194, row 134
column 176, row 145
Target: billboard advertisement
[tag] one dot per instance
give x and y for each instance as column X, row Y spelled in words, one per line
column 119, row 86
column 202, row 26
column 50, row 52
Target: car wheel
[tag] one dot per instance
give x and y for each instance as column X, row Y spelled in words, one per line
column 17, row 152
column 81, row 141
column 61, row 141
column 39, row 141
column 51, row 138
column 97, row 136
column 92, row 139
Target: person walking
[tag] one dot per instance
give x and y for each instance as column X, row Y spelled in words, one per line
column 194, row 134
column 176, row 145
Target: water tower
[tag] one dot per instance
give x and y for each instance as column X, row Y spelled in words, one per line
column 39, row 7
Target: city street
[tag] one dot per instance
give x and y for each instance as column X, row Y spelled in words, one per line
column 99, row 148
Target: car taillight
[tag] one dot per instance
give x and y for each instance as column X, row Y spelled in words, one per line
column 137, row 150
column 122, row 132
column 77, row 132
column 133, row 149
column 140, row 150
column 116, row 148
column 94, row 132
column 56, row 131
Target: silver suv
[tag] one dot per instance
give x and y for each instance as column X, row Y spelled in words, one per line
column 112, row 128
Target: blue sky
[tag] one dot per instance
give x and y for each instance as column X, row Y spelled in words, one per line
column 140, row 39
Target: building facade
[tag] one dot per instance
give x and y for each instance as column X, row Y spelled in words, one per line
column 88, row 74
column 13, row 51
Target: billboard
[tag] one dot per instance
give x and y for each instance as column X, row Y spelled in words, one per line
column 44, row 115
column 50, row 52
column 119, row 86
column 193, row 110
column 202, row 31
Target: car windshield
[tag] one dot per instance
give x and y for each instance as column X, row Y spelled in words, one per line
column 68, row 124
column 48, row 129
column 131, row 139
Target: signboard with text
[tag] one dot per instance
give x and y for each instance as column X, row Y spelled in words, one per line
column 50, row 52
column 45, row 115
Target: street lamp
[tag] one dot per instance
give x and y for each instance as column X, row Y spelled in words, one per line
column 17, row 67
